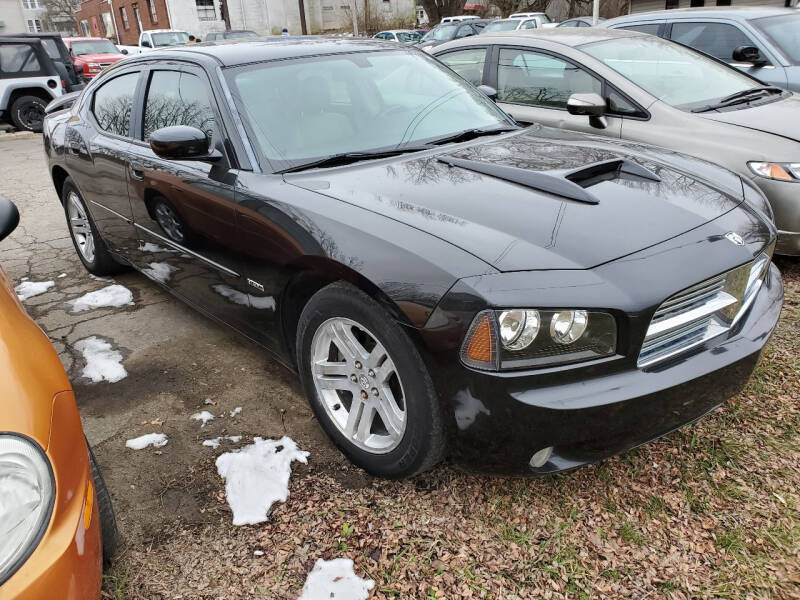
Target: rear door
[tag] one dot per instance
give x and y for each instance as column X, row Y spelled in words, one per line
column 97, row 144
column 533, row 86
column 185, row 211
column 470, row 63
column 719, row 39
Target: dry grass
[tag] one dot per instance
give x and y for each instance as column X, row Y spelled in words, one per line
column 712, row 511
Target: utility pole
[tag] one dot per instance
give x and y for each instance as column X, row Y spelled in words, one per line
column 595, row 12
column 114, row 20
column 302, row 7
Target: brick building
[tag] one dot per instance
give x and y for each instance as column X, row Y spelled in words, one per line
column 107, row 18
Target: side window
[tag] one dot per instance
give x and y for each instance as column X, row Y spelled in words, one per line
column 18, row 59
column 529, row 24
column 467, row 63
column 464, row 31
column 112, row 104
column 619, row 105
column 651, row 28
column 526, row 77
column 717, row 39
column 177, row 98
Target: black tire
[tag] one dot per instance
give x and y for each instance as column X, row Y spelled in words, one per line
column 102, row 262
column 423, row 440
column 108, row 520
column 27, row 113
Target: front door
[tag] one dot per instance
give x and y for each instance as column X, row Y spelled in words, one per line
column 185, row 211
column 534, row 86
column 97, row 144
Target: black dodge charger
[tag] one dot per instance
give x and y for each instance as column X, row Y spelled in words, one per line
column 444, row 282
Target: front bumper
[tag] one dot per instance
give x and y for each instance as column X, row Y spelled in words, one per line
column 784, row 197
column 502, row 419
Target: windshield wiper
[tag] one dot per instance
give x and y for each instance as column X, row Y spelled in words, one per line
column 740, row 97
column 470, row 134
column 345, row 158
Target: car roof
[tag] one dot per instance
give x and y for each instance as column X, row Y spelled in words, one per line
column 568, row 36
column 83, row 39
column 741, row 13
column 244, row 51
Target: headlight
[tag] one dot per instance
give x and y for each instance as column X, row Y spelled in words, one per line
column 524, row 338
column 779, row 171
column 26, row 500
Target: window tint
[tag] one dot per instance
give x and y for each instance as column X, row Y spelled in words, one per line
column 18, row 59
column 526, row 77
column 717, row 39
column 112, row 104
column 464, row 31
column 176, row 98
column 619, row 105
column 651, row 28
column 467, row 63
column 529, row 24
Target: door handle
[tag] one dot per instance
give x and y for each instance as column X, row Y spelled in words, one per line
column 136, row 171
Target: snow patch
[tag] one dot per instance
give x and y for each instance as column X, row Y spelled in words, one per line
column 257, row 476
column 236, row 411
column 214, row 442
column 150, row 247
column 110, row 296
column 157, row 440
column 237, row 297
column 96, row 278
column 61, row 276
column 103, row 362
column 29, row 289
column 159, row 271
column 335, row 579
column 203, row 416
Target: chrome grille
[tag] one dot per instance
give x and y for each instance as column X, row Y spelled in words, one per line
column 702, row 311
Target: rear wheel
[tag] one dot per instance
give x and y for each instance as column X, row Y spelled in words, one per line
column 27, row 113
column 108, row 520
column 367, row 384
column 89, row 245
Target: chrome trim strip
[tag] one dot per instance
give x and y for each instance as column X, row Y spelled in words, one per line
column 717, row 303
column 187, row 251
column 113, row 212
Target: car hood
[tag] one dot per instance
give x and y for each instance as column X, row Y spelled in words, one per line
column 30, row 371
column 778, row 118
column 100, row 57
column 513, row 227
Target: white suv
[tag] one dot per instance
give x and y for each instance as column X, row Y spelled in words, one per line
column 28, row 82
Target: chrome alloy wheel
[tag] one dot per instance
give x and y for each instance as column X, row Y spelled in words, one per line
column 359, row 385
column 80, row 227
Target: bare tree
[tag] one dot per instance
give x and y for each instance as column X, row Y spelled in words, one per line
column 60, row 15
column 437, row 9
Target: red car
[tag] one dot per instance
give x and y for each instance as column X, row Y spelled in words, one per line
column 91, row 55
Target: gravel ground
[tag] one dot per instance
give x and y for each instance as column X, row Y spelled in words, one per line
column 711, row 511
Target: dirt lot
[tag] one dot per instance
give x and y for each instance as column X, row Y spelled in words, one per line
column 712, row 511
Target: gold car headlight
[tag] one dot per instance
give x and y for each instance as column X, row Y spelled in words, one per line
column 27, row 491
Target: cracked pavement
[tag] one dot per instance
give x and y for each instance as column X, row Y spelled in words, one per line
column 178, row 363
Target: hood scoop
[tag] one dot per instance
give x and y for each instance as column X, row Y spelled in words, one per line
column 566, row 184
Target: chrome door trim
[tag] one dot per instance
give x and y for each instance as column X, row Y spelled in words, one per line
column 190, row 252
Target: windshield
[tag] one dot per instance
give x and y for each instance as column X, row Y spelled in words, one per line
column 441, row 33
column 672, row 73
column 93, row 47
column 170, row 38
column 408, row 36
column 500, row 26
column 306, row 109
column 784, row 31
column 237, row 35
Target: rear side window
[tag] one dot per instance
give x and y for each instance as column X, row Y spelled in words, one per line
column 177, row 98
column 467, row 63
column 19, row 60
column 717, row 39
column 651, row 28
column 113, row 102
column 526, row 77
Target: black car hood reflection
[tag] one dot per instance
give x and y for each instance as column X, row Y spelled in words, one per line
column 516, row 228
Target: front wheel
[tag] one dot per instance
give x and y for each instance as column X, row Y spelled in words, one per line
column 367, row 384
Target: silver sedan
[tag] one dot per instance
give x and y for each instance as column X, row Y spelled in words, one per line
column 639, row 87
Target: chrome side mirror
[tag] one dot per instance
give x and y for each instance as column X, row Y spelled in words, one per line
column 591, row 105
